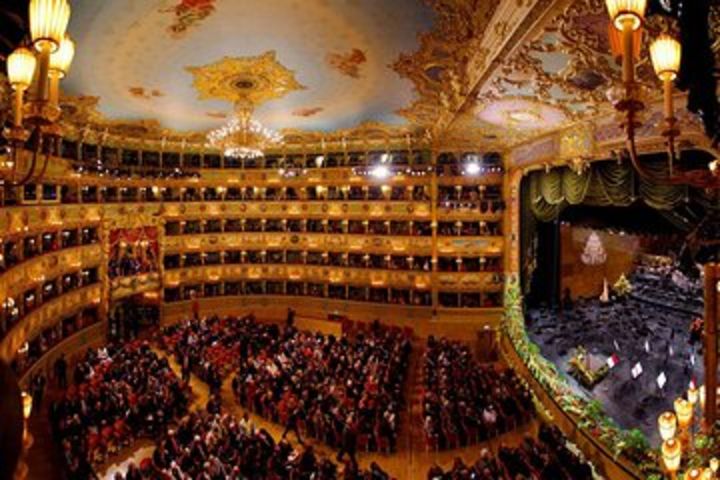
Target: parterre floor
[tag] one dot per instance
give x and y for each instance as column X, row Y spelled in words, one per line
column 411, row 461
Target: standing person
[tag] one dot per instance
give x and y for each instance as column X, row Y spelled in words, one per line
column 292, row 424
column 38, row 390
column 349, row 442
column 60, row 369
column 186, row 366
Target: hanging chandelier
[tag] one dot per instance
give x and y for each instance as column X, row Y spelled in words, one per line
column 628, row 17
column 35, row 71
column 243, row 136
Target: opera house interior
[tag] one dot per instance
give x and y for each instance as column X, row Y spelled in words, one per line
column 359, row 239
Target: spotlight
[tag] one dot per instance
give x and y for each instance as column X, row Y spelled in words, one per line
column 472, row 168
column 380, row 171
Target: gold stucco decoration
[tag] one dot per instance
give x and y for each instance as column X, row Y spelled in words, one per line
column 251, row 79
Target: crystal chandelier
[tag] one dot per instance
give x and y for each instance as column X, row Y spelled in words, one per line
column 243, row 136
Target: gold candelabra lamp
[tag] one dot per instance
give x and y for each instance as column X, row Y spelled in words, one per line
column 676, row 432
column 628, row 17
column 34, row 73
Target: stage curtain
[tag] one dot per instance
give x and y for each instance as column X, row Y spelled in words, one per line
column 544, row 210
column 608, row 184
column 658, row 195
column 575, row 186
column 613, row 185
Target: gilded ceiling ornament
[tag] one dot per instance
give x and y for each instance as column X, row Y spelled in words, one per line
column 566, row 64
column 249, row 79
column 578, row 143
column 440, row 69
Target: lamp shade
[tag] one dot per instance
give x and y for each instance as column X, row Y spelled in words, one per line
column 616, row 42
column 622, row 11
column 62, row 58
column 48, row 22
column 671, row 453
column 693, row 395
column 714, row 464
column 666, row 52
column 684, row 412
column 667, row 425
column 21, row 67
column 27, row 404
column 694, row 474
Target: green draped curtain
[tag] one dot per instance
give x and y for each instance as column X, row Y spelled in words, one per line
column 607, row 184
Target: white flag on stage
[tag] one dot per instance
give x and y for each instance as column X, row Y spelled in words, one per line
column 670, row 350
column 647, row 346
column 692, row 359
column 617, row 347
column 661, row 380
column 637, row 370
column 613, row 360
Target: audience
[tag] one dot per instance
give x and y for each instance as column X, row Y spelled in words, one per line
column 465, row 402
column 118, row 393
column 209, row 347
column 214, row 446
column 547, row 458
column 345, row 392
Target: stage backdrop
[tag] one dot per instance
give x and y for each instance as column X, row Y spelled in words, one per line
column 586, row 279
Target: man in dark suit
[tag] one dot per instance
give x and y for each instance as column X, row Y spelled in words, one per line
column 349, row 442
column 60, row 369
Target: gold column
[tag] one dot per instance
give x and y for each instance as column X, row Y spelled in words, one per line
column 434, row 227
column 710, row 344
column 103, row 274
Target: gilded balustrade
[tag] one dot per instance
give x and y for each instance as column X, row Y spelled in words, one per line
column 291, row 209
column 33, row 272
column 47, row 315
column 299, row 273
column 419, row 280
column 327, row 242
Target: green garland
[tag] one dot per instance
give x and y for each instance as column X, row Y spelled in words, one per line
column 589, row 414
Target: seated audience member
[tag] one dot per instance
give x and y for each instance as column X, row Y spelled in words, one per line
column 547, row 458
column 465, row 402
column 120, row 393
column 334, row 387
column 207, row 446
column 208, row 347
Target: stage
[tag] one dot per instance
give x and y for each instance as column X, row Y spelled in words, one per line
column 636, row 330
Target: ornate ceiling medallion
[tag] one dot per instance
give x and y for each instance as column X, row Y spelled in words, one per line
column 246, row 82
column 249, row 79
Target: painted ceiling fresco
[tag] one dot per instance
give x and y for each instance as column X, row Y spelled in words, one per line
column 137, row 57
column 558, row 75
column 486, row 73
